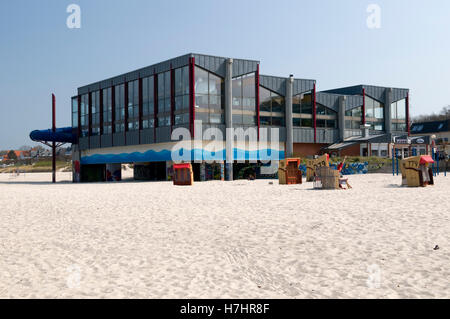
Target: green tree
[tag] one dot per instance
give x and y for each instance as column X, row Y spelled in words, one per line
column 12, row 155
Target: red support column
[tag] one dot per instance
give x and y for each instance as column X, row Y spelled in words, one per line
column 126, row 112
column 408, row 123
column 364, row 107
column 314, row 113
column 53, row 143
column 155, row 107
column 101, row 113
column 192, row 96
column 113, row 109
column 140, row 108
column 257, row 99
column 79, row 117
column 172, row 97
column 89, row 118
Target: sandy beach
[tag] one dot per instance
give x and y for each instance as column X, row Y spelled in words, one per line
column 223, row 240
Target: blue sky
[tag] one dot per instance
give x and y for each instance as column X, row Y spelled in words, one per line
column 326, row 40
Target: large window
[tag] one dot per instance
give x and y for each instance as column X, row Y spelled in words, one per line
column 374, row 113
column 148, row 102
column 181, row 96
column 119, row 99
column 75, row 112
column 133, row 105
column 209, row 95
column 326, row 118
column 353, row 118
column 398, row 114
column 84, row 115
column 95, row 96
column 164, row 103
column 244, row 99
column 271, row 108
column 302, row 109
column 107, row 111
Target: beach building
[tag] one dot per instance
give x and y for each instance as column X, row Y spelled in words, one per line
column 440, row 130
column 140, row 117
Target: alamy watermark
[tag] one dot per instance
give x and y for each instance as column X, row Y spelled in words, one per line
column 374, row 279
column 73, row 279
column 374, row 19
column 74, row 19
column 242, row 145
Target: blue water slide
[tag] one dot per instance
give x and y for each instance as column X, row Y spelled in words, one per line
column 61, row 135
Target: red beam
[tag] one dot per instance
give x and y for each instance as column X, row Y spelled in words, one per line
column 101, row 112
column 155, row 102
column 192, row 95
column 53, row 143
column 314, row 113
column 172, row 97
column 408, row 124
column 257, row 99
column 364, row 107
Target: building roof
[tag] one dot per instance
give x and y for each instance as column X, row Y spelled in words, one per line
column 375, row 92
column 214, row 64
column 430, row 127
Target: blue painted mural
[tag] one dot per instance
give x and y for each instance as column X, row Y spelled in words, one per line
column 348, row 169
column 166, row 155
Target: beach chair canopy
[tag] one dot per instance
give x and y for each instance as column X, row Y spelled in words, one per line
column 426, row 159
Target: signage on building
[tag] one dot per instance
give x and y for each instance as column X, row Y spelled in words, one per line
column 420, row 141
column 402, row 140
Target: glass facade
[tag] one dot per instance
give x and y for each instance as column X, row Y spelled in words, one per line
column 353, row 118
column 164, row 103
column 75, row 112
column 326, row 118
column 209, row 95
column 374, row 113
column 181, row 96
column 148, row 102
column 84, row 115
column 133, row 105
column 119, row 116
column 244, row 100
column 95, row 117
column 398, row 115
column 302, row 109
column 107, row 111
column 271, row 108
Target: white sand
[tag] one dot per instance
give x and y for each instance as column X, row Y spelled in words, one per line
column 223, row 240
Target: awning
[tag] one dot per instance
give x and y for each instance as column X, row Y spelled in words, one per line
column 339, row 146
column 426, row 159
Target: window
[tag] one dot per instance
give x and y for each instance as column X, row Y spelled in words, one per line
column 95, row 117
column 148, row 102
column 272, row 106
column 75, row 112
column 119, row 99
column 302, row 109
column 326, row 118
column 107, row 111
column 303, row 103
column 398, row 114
column 164, row 103
column 133, row 105
column 84, row 115
column 209, row 94
column 353, row 118
column 307, row 123
column 244, row 99
column 374, row 113
column 182, row 90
